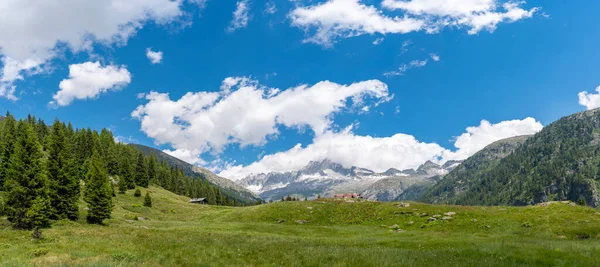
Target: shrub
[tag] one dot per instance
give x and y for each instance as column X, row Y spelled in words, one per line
column 137, row 193
column 147, row 200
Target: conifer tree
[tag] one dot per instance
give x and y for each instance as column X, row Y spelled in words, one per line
column 122, row 185
column 98, row 191
column 152, row 169
column 9, row 131
column 141, row 171
column 147, row 200
column 27, row 201
column 137, row 193
column 211, row 197
column 126, row 168
column 63, row 182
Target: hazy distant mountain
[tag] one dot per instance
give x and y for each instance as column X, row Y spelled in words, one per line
column 327, row 178
column 408, row 185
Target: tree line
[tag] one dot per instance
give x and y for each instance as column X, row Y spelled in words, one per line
column 45, row 170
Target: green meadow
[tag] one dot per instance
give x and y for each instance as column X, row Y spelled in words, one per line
column 312, row 233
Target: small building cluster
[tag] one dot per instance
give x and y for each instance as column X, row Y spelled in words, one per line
column 348, row 195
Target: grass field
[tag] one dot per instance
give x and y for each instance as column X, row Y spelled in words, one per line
column 312, row 233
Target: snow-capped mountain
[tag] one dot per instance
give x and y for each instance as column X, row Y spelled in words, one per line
column 327, row 177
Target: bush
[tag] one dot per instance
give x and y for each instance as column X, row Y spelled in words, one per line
column 581, row 202
column 147, row 200
column 137, row 193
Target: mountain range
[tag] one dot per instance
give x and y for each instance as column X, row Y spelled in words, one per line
column 561, row 162
column 327, row 178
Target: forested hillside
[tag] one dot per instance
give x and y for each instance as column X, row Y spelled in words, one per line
column 227, row 187
column 44, row 168
column 468, row 173
column 561, row 162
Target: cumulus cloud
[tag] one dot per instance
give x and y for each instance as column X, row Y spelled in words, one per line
column 434, row 56
column 347, row 18
column 246, row 113
column 89, row 80
column 478, row 137
column 155, row 57
column 348, row 149
column 405, row 67
column 241, row 15
column 400, row 151
column 189, row 156
column 40, row 30
column 590, row 100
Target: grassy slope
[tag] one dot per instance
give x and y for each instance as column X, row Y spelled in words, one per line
column 338, row 234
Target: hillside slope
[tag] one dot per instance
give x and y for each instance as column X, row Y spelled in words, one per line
column 463, row 177
column 227, row 186
column 325, row 232
column 558, row 163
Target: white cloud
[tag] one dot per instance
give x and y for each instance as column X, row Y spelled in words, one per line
column 188, row 156
column 89, row 80
column 400, row 151
column 241, row 15
column 40, row 30
column 477, row 137
column 155, row 57
column 434, row 56
column 347, row 18
column 405, row 67
column 246, row 113
column 378, row 41
column 590, row 100
column 126, row 140
column 270, row 8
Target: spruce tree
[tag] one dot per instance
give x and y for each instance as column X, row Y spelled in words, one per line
column 141, row 171
column 8, row 137
column 147, row 200
column 126, row 168
column 98, row 191
column 153, row 169
column 122, row 185
column 27, row 201
column 64, row 184
column 211, row 197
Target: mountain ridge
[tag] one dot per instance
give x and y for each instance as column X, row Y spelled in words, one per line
column 326, row 177
column 229, row 188
column 559, row 163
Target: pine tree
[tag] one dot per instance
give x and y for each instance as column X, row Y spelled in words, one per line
column 141, row 171
column 64, row 184
column 147, row 200
column 137, row 193
column 26, row 185
column 98, row 191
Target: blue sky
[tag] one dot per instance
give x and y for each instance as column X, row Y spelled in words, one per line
column 534, row 66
